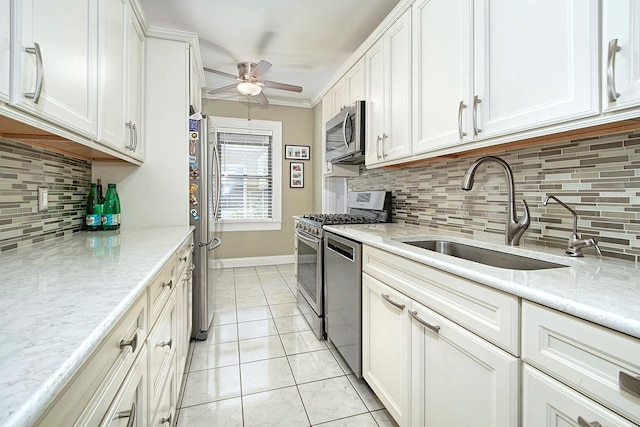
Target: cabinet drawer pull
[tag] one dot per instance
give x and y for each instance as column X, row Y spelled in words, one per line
column 584, row 423
column 393, row 303
column 166, row 420
column 629, row 383
column 476, row 101
column 611, row 70
column 434, row 328
column 461, row 107
column 35, row 50
column 183, row 259
column 166, row 344
column 133, row 343
column 169, row 284
column 131, row 414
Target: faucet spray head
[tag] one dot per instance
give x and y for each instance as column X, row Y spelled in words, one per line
column 467, row 182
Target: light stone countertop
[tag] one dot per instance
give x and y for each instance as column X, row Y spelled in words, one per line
column 59, row 299
column 605, row 291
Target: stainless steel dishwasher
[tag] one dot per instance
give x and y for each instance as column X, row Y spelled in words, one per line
column 343, row 297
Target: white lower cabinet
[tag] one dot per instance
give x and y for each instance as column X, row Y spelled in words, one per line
column 385, row 346
column 457, row 378
column 425, row 368
column 134, row 376
column 128, row 406
column 549, row 403
column 598, row 363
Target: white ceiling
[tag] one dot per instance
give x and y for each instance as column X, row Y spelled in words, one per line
column 305, row 40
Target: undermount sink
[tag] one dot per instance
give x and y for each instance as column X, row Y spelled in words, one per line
column 482, row 255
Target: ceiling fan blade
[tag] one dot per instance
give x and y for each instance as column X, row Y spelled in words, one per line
column 262, row 67
column 281, row 86
column 222, row 89
column 221, row 73
column 262, row 99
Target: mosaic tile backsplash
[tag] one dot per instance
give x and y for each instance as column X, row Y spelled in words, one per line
column 22, row 170
column 598, row 177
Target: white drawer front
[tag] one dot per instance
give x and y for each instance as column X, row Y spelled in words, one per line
column 160, row 289
column 184, row 256
column 491, row 314
column 549, row 403
column 162, row 347
column 587, row 357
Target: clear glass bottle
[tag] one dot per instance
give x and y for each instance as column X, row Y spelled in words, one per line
column 93, row 218
column 111, row 209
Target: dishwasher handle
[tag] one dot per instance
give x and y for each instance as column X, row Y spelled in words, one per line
column 341, row 249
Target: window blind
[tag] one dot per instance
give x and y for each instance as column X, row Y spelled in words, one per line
column 246, row 158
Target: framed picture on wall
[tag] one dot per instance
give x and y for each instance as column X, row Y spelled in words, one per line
column 297, row 152
column 296, row 175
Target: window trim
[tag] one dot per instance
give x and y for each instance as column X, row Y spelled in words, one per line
column 249, row 125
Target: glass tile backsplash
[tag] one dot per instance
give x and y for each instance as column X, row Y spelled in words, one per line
column 22, row 170
column 598, row 177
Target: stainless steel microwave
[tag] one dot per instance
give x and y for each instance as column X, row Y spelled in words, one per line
column 346, row 135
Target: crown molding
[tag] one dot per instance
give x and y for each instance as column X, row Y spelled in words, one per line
column 395, row 13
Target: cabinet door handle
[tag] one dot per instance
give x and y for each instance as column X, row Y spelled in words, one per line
column 131, row 127
column 135, row 138
column 378, row 138
column 433, row 328
column 461, row 107
column 166, row 344
column 131, row 414
column 133, row 343
column 384, row 136
column 169, row 284
column 584, row 423
column 611, row 70
column 393, row 303
column 629, row 383
column 476, row 101
column 35, row 50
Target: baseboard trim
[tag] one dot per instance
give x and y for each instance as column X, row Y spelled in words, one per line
column 251, row 262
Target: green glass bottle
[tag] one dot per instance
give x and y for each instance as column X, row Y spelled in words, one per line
column 93, row 218
column 111, row 209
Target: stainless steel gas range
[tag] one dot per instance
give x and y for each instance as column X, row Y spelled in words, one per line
column 363, row 207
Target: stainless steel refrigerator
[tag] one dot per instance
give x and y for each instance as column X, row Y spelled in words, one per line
column 204, row 203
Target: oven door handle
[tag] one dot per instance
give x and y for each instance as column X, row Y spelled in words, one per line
column 314, row 242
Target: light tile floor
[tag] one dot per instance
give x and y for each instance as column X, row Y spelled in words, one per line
column 263, row 366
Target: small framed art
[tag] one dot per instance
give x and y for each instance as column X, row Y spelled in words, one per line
column 296, row 175
column 297, row 152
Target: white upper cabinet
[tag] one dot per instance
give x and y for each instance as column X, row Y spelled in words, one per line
column 388, row 83
column 5, row 48
column 442, row 73
column 620, row 54
column 121, row 62
column 536, row 64
column 55, row 62
column 338, row 97
column 135, row 86
column 354, row 82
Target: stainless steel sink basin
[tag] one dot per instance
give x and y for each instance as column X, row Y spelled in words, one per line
column 483, row 256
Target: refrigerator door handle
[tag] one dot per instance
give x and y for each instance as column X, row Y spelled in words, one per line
column 216, row 242
column 215, row 160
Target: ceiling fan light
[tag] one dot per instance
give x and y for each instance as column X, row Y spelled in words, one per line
column 249, row 89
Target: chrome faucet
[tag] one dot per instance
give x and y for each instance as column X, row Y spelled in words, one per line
column 574, row 248
column 515, row 228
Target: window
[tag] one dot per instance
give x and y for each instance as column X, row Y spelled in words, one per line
column 251, row 165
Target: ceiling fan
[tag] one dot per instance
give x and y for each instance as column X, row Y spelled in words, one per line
column 249, row 81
